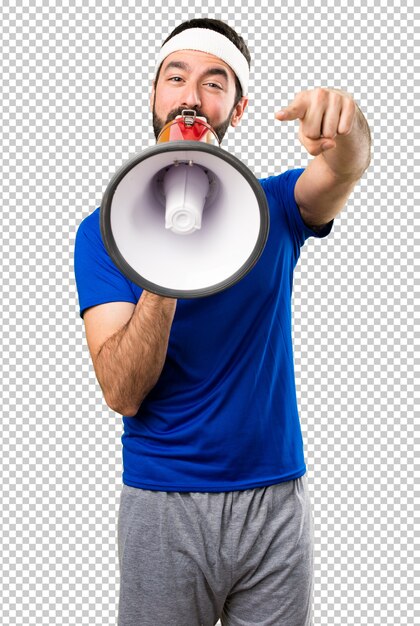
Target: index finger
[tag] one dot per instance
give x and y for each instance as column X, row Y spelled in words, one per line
column 295, row 110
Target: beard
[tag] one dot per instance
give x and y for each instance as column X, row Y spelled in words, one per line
column 158, row 123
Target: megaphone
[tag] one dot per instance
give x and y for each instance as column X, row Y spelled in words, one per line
column 184, row 218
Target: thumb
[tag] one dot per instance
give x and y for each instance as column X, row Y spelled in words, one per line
column 327, row 145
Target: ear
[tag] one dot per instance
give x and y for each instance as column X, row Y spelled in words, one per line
column 152, row 95
column 239, row 111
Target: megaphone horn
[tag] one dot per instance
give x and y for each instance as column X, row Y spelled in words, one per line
column 184, row 218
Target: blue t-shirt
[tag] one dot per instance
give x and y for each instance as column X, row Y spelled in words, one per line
column 223, row 415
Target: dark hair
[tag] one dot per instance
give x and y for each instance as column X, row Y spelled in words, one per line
column 223, row 29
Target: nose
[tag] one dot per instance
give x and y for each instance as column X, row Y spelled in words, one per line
column 191, row 96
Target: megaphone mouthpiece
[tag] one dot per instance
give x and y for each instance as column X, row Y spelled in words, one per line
column 188, row 127
column 190, row 116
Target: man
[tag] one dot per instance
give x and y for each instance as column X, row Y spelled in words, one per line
column 215, row 518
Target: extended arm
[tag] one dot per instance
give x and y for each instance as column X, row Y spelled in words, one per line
column 334, row 130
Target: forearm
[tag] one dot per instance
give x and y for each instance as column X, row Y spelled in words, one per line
column 130, row 362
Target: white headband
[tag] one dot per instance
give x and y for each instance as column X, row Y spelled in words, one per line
column 207, row 40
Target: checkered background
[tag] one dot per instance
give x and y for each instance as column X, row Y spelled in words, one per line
column 75, row 84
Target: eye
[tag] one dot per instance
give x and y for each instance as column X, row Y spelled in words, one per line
column 175, row 78
column 214, row 85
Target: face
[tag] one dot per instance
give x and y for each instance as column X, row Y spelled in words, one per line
column 190, row 79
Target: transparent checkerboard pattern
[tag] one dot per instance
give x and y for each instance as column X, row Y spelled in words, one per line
column 75, row 87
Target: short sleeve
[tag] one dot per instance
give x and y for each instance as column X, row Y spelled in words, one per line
column 282, row 187
column 98, row 280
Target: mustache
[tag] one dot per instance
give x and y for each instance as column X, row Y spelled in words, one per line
column 178, row 111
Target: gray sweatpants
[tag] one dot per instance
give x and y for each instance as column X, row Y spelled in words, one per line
column 190, row 559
